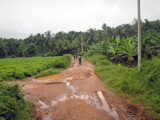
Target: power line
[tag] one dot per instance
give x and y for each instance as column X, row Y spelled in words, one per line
column 109, row 8
column 93, row 20
column 101, row 8
column 106, row 11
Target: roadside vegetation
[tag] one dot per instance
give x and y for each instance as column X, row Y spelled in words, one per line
column 58, row 65
column 21, row 68
column 12, row 104
column 144, row 85
column 116, row 63
column 124, row 50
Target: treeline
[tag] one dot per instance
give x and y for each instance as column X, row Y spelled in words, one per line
column 49, row 44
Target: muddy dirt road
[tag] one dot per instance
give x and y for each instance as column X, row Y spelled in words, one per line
column 76, row 94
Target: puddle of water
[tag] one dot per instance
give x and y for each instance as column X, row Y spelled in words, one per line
column 106, row 107
column 49, row 77
column 72, row 88
column 89, row 99
column 64, row 98
column 95, row 102
column 53, row 103
column 92, row 100
column 43, row 105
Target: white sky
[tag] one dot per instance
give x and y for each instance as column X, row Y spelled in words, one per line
column 20, row 18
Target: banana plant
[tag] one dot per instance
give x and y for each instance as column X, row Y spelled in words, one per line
column 114, row 45
column 150, row 43
column 128, row 48
column 156, row 37
column 101, row 47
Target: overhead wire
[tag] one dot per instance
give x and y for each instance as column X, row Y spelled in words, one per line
column 106, row 14
column 105, row 8
column 102, row 11
column 102, row 5
column 101, row 8
column 105, row 11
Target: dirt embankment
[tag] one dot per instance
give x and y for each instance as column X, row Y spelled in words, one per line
column 77, row 94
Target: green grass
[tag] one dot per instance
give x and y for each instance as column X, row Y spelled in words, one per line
column 12, row 104
column 20, row 68
column 145, row 84
column 49, row 72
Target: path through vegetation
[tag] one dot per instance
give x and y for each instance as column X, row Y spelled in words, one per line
column 76, row 94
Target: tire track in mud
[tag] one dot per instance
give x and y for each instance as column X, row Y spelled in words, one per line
column 75, row 94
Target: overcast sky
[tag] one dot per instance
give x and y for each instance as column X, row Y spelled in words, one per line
column 20, row 18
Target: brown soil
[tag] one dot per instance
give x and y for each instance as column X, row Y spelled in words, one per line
column 77, row 94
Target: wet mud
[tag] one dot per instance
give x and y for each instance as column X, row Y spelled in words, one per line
column 76, row 94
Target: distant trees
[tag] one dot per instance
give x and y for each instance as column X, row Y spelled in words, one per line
column 49, row 44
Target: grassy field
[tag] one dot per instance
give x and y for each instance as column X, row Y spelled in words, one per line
column 145, row 84
column 12, row 104
column 20, row 68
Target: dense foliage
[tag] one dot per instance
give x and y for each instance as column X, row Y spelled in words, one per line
column 12, row 104
column 125, row 49
column 20, row 68
column 145, row 84
column 49, row 44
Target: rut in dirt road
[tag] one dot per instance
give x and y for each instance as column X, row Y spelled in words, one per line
column 75, row 94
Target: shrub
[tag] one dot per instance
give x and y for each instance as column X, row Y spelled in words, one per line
column 67, row 57
column 103, row 63
column 19, row 75
column 12, row 104
column 62, row 62
column 59, row 64
column 96, row 58
column 89, row 53
column 33, row 71
column 27, row 73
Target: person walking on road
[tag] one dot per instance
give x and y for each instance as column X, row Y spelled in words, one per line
column 74, row 57
column 80, row 59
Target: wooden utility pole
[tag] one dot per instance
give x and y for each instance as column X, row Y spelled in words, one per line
column 139, row 35
column 81, row 43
